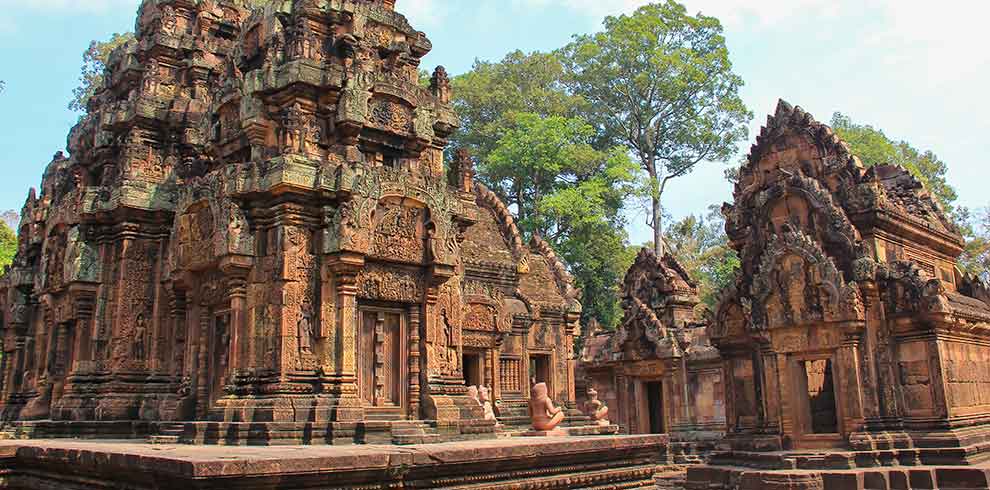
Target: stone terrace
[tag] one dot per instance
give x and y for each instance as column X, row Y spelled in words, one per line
column 574, row 462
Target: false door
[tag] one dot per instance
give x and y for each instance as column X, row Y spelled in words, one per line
column 382, row 374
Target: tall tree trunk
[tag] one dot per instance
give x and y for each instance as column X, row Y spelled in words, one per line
column 658, row 244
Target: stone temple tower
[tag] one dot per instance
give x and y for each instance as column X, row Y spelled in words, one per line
column 255, row 229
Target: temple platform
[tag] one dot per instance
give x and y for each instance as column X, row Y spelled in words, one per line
column 614, row 462
column 888, row 469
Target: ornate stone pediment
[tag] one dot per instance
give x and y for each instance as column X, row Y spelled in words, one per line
column 797, row 284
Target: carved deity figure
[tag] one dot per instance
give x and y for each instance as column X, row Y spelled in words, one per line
column 293, row 129
column 795, row 288
column 152, row 74
column 485, row 397
column 446, row 348
column 595, row 408
column 140, row 332
column 168, row 20
column 305, row 327
column 542, row 412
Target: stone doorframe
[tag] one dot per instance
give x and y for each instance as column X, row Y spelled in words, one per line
column 795, row 403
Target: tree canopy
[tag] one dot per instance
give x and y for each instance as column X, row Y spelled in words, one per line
column 94, row 63
column 874, row 147
column 571, row 194
column 659, row 81
column 487, row 97
column 8, row 246
column 701, row 246
column 975, row 259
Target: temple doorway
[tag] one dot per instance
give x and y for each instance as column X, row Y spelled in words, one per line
column 473, row 373
column 654, row 402
column 539, row 370
column 819, row 397
column 382, row 372
column 220, row 340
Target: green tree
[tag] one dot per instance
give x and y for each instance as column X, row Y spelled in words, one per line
column 660, row 82
column 8, row 246
column 486, row 97
column 571, row 194
column 94, row 63
column 975, row 259
column 874, row 147
column 701, row 246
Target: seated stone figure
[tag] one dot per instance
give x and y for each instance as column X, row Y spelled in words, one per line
column 472, row 393
column 596, row 409
column 544, row 415
column 486, row 403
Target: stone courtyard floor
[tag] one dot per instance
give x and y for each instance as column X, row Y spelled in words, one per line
column 547, row 462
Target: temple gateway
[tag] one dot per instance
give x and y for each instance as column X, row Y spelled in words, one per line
column 255, row 225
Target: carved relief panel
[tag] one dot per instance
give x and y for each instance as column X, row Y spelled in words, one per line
column 195, row 237
column 399, row 234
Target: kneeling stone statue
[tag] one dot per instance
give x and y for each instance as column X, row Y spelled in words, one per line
column 544, row 415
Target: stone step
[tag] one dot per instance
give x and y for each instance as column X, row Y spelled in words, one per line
column 416, row 439
column 408, row 432
column 163, row 439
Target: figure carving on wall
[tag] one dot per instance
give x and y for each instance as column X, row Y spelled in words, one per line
column 168, row 20
column 138, row 342
column 448, row 330
column 542, row 412
column 796, row 286
column 305, row 327
column 293, row 129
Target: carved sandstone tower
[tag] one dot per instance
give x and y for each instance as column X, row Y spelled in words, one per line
column 255, row 225
column 850, row 328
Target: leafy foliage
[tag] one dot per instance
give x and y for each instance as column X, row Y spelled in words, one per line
column 660, row 82
column 702, row 247
column 8, row 246
column 975, row 259
column 874, row 147
column 94, row 62
column 487, row 97
column 571, row 194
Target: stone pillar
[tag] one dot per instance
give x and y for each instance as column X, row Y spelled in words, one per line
column 770, row 366
column 202, row 378
column 83, row 306
column 622, row 397
column 937, row 354
column 237, row 295
column 414, row 360
column 60, row 364
column 867, row 356
column 177, row 313
column 851, row 388
column 345, row 268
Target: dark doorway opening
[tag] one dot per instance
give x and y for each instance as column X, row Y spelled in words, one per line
column 539, row 370
column 654, row 399
column 472, row 369
column 821, row 396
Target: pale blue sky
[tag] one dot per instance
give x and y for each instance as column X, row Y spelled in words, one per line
column 918, row 69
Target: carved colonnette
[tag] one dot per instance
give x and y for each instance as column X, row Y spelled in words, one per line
column 255, row 226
